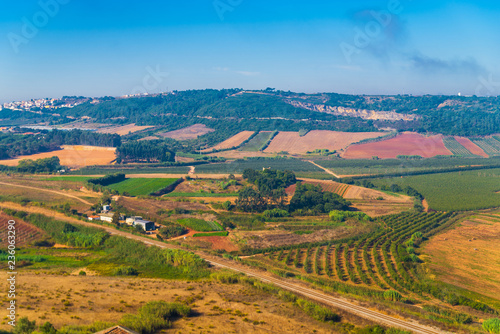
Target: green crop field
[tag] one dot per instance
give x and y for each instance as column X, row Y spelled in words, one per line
column 214, row 234
column 456, row 148
column 140, row 186
column 200, row 224
column 238, row 166
column 176, row 194
column 468, row 190
column 130, row 170
column 68, row 178
column 388, row 166
column 257, row 142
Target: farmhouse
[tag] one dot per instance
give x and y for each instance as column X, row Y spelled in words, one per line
column 132, row 219
column 145, row 224
column 94, row 218
column 108, row 217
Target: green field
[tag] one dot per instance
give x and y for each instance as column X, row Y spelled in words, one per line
column 257, row 142
column 238, row 166
column 200, row 224
column 388, row 166
column 214, row 234
column 140, row 186
column 68, row 178
column 175, row 194
column 468, row 190
column 129, row 170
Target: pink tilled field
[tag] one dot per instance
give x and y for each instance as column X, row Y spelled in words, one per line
column 471, row 147
column 405, row 144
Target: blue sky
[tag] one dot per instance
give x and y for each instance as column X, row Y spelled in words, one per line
column 51, row 48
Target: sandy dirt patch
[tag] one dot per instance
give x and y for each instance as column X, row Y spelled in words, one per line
column 72, row 156
column 292, row 143
column 191, row 132
column 405, row 144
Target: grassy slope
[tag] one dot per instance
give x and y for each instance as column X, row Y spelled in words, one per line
column 137, row 187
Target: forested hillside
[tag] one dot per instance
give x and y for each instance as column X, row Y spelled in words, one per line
column 234, row 110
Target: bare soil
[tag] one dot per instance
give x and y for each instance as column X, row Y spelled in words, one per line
column 471, row 147
column 292, row 143
column 191, row 132
column 405, row 144
column 232, row 142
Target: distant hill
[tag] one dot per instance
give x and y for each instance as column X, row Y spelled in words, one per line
column 236, row 110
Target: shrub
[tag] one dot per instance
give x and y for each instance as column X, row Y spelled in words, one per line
column 125, row 271
column 492, row 326
column 82, row 273
column 392, row 295
column 154, row 316
column 275, row 213
column 318, row 312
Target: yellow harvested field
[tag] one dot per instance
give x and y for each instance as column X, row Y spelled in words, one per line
column 191, row 132
column 231, row 142
column 468, row 256
column 72, row 156
column 124, row 130
column 292, row 143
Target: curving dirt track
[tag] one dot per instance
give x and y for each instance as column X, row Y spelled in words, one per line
column 49, row 191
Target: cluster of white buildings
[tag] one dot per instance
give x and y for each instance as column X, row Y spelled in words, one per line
column 107, row 216
column 48, row 104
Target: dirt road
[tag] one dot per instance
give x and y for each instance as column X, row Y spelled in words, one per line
column 49, row 191
column 325, row 169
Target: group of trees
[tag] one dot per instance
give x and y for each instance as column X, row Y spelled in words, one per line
column 144, row 151
column 47, row 165
column 15, row 144
column 311, row 199
column 269, row 195
column 270, row 192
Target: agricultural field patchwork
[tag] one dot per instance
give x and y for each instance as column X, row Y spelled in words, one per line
column 234, row 141
column 456, row 148
column 141, row 186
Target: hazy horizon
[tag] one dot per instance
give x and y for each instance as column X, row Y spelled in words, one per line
column 53, row 48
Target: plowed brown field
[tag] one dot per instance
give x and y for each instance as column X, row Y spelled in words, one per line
column 471, row 147
column 232, row 142
column 404, row 144
column 72, row 156
column 191, row 132
column 292, row 143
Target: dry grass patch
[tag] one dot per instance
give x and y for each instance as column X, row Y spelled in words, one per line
column 74, row 156
column 468, row 256
column 219, row 308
